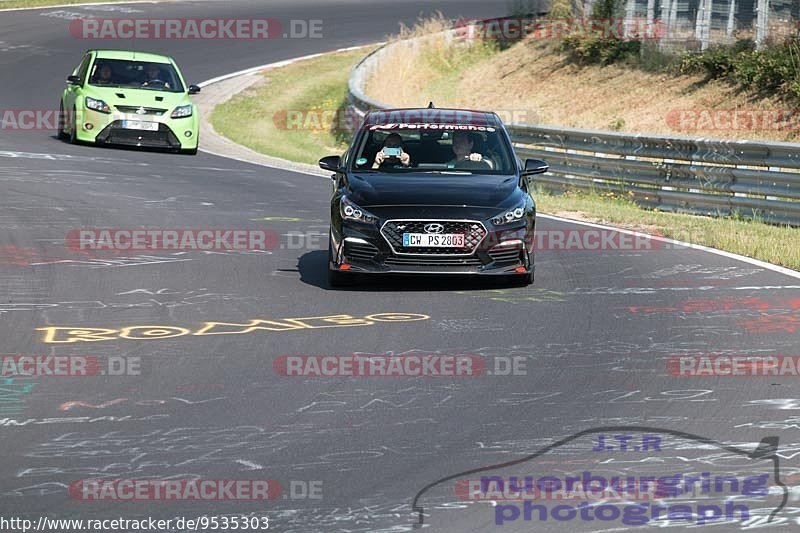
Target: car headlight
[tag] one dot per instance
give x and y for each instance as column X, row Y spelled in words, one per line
column 97, row 105
column 182, row 111
column 509, row 217
column 351, row 211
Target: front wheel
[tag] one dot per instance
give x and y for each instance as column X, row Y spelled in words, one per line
column 191, row 151
column 520, row 280
column 61, row 122
column 73, row 131
column 336, row 278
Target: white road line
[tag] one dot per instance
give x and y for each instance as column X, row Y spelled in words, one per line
column 729, row 255
column 39, row 8
column 278, row 64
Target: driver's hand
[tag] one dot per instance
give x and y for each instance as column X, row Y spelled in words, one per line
column 475, row 157
column 405, row 159
column 380, row 157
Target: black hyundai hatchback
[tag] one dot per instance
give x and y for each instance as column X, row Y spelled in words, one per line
column 431, row 191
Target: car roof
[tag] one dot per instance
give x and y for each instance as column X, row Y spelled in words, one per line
column 433, row 115
column 132, row 55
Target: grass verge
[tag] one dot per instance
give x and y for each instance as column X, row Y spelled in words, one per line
column 296, row 112
column 773, row 244
column 14, row 4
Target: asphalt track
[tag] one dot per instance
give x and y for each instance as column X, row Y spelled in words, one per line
column 596, row 329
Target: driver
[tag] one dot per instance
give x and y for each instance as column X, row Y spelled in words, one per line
column 153, row 74
column 394, row 142
column 462, row 148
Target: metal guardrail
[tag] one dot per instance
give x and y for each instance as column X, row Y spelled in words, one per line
column 717, row 177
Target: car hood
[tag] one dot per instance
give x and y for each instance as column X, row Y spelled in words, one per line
column 428, row 189
column 125, row 96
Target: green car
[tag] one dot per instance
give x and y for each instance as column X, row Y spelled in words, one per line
column 129, row 98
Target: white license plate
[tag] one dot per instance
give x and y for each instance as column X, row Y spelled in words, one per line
column 139, row 125
column 433, row 240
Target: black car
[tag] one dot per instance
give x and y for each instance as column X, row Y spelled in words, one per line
column 431, row 191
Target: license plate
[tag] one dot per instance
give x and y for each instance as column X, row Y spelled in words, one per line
column 433, row 240
column 139, row 125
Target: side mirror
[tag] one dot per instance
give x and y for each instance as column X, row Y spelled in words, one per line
column 332, row 163
column 535, row 166
column 193, row 89
column 74, row 80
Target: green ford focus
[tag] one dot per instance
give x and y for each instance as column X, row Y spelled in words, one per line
column 129, row 98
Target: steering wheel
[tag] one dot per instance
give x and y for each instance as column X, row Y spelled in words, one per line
column 162, row 83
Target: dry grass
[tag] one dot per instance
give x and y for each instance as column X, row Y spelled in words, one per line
column 432, row 69
column 532, row 82
column 773, row 244
column 314, row 90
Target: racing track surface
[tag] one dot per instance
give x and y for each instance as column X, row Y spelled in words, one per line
column 596, row 329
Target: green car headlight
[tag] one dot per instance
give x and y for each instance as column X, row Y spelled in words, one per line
column 97, row 105
column 182, row 111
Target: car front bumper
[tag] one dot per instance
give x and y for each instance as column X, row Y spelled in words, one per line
column 365, row 249
column 174, row 134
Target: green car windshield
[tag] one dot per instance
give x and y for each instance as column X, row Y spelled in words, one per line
column 135, row 75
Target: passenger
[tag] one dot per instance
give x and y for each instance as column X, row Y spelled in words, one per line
column 104, row 75
column 391, row 153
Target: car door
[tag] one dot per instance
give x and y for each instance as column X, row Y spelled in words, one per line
column 74, row 90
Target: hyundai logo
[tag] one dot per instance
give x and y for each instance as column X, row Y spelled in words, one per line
column 141, row 111
column 434, row 228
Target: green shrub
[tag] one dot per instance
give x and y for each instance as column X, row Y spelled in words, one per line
column 772, row 69
column 768, row 69
column 716, row 62
column 588, row 48
column 597, row 50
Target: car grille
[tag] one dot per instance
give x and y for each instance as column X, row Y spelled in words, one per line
column 393, row 231
column 136, row 110
column 362, row 251
column 505, row 254
column 115, row 134
column 432, row 261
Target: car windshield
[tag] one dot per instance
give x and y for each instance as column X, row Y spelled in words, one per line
column 135, row 74
column 435, row 148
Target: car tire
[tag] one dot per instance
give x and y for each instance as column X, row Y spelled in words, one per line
column 61, row 123
column 73, row 132
column 521, row 280
column 191, row 151
column 336, row 278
